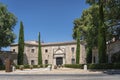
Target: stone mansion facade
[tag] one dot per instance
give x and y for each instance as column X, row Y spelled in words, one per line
column 59, row 53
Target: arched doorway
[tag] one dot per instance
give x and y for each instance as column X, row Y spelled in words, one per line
column 115, row 58
column 1, row 62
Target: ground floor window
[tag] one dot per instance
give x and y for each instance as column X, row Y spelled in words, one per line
column 32, row 62
column 73, row 61
column 94, row 59
column 46, row 61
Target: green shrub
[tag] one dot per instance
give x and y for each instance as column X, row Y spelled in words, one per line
column 2, row 67
column 94, row 66
column 116, row 65
column 17, row 66
column 45, row 65
column 79, row 66
column 29, row 66
column 26, row 66
column 103, row 66
column 35, row 66
column 38, row 66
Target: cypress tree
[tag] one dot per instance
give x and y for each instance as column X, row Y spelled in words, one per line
column 78, row 47
column 89, row 54
column 89, row 46
column 39, row 50
column 101, row 35
column 21, row 45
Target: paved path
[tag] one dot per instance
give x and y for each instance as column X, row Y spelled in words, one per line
column 60, row 71
column 53, row 71
column 59, row 77
column 57, row 74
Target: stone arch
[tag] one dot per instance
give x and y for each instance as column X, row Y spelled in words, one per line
column 59, row 50
column 1, row 62
column 115, row 58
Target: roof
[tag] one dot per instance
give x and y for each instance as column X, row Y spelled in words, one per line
column 35, row 43
column 7, row 52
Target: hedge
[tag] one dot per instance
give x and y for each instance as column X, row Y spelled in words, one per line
column 94, row 66
column 33, row 66
column 2, row 67
column 74, row 66
column 104, row 66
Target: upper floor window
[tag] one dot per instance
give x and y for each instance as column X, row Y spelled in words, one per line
column 46, row 50
column 32, row 50
column 72, row 49
column 13, row 50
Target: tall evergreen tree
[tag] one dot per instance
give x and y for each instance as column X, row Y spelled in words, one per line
column 101, row 29
column 21, row 45
column 101, row 35
column 39, row 50
column 76, row 35
column 78, row 47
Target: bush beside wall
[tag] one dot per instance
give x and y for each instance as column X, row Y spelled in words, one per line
column 2, row 67
column 94, row 66
column 78, row 66
column 29, row 66
column 104, row 66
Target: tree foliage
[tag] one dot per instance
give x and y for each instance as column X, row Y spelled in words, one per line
column 116, row 58
column 7, row 23
column 101, row 34
column 112, row 18
column 108, row 21
column 77, row 35
column 99, row 24
column 111, row 11
column 88, row 27
column 78, row 47
column 21, row 45
column 39, row 50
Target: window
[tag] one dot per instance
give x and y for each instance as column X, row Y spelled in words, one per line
column 73, row 61
column 32, row 50
column 72, row 49
column 13, row 50
column 46, row 50
column 94, row 59
column 32, row 62
column 46, row 61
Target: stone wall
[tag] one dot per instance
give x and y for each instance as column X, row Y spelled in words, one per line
column 112, row 48
column 8, row 54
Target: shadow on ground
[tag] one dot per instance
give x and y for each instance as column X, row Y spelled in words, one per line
column 108, row 71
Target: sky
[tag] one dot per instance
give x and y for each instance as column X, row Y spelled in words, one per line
column 52, row 18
